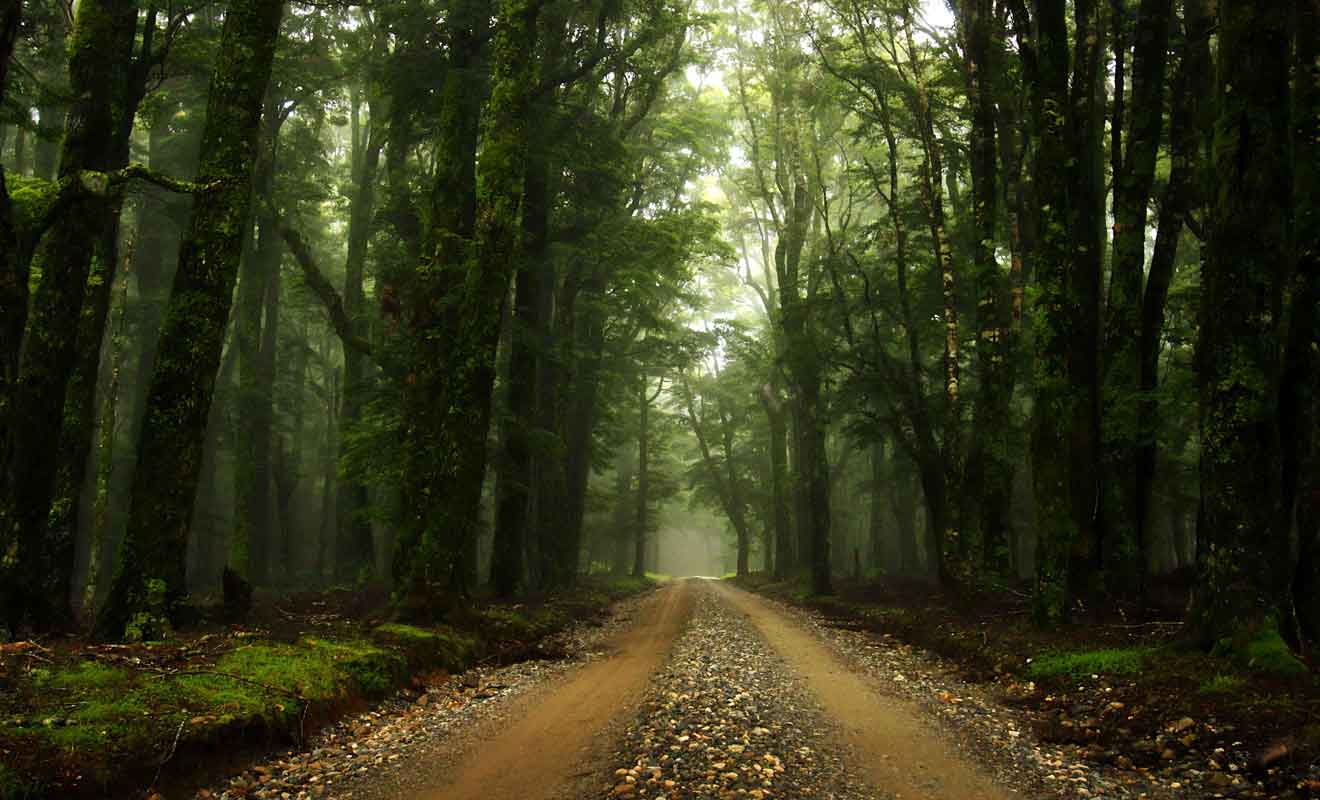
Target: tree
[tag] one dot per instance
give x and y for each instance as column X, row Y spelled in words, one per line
column 1245, row 567
column 149, row 575
column 1067, row 114
column 447, row 394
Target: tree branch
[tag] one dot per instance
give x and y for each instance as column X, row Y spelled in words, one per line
column 320, row 286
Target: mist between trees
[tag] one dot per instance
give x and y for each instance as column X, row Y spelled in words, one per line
column 476, row 296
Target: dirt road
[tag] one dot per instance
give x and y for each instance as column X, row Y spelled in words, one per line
column 887, row 739
column 700, row 690
column 550, row 750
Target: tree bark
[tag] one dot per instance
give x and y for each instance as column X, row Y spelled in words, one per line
column 447, row 398
column 1125, row 531
column 1065, row 420
column 99, row 71
column 353, row 530
column 1300, row 401
column 192, row 337
column 785, row 562
column 1245, row 567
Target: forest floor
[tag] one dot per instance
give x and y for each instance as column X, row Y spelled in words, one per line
column 86, row 719
column 1127, row 702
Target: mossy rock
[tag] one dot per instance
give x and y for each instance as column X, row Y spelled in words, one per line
column 1268, row 653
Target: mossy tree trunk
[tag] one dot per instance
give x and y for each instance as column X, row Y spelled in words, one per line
column 1068, row 165
column 255, row 321
column 1125, row 527
column 13, row 303
column 100, row 64
column 456, row 307
column 1300, row 406
column 1245, row 567
column 353, row 529
column 989, row 468
column 76, row 434
column 151, row 560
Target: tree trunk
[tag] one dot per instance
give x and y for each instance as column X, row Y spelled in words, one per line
column 1125, row 532
column 640, row 520
column 1246, row 565
column 162, row 216
column 1300, row 400
column 353, row 531
column 257, row 271
column 192, row 336
column 1184, row 136
column 99, row 66
column 783, row 528
column 989, row 469
column 447, row 398
column 876, row 518
column 1067, row 256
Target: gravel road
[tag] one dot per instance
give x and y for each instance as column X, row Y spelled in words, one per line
column 698, row 690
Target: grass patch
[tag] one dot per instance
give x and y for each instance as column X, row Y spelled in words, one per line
column 1222, row 685
column 1081, row 663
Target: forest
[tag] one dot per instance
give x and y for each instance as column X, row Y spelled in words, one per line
column 459, row 299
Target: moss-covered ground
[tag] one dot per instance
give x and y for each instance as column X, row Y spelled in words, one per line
column 1070, row 679
column 82, row 719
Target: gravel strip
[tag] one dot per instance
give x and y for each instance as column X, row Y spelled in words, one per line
column 380, row 753
column 726, row 718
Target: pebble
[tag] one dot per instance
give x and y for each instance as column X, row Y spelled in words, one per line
column 726, row 718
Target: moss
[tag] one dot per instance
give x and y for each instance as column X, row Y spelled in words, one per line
column 1112, row 661
column 88, row 675
column 1269, row 653
column 1222, row 684
column 442, row 647
column 374, row 669
column 30, row 199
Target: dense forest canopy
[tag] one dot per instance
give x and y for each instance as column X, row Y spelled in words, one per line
column 477, row 296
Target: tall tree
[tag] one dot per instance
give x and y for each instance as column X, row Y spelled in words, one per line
column 1066, row 110
column 1245, row 564
column 447, row 395
column 100, row 63
column 151, row 564
column 1125, row 528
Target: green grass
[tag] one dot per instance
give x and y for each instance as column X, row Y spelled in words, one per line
column 1081, row 663
column 1222, row 684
